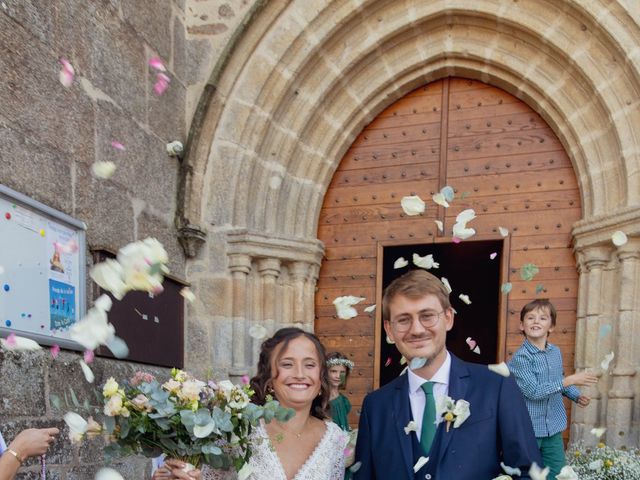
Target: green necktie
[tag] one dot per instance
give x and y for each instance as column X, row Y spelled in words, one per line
column 428, row 431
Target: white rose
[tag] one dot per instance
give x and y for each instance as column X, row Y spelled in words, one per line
column 114, row 406
column 110, row 388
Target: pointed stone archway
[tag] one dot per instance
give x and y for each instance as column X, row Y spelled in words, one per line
column 300, row 81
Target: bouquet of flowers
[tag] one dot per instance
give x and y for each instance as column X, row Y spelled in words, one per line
column 603, row 462
column 183, row 418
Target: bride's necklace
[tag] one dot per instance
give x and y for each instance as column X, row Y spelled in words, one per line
column 297, row 435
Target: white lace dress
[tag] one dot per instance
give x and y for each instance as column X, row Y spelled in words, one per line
column 326, row 462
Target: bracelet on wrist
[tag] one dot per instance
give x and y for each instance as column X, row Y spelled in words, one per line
column 16, row 454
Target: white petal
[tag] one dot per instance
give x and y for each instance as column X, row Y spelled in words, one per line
column 466, row 215
column 440, row 200
column 75, row 422
column 20, row 344
column 598, row 432
column 403, row 360
column 440, row 225
column 476, row 350
column 536, row 473
column 607, row 360
column 370, row 309
column 400, row 263
column 417, row 363
column 188, row 294
column 411, row 427
column 447, row 285
column 506, row 288
column 510, row 470
column 461, row 231
column 344, row 306
column 503, row 231
column 596, row 465
column 93, row 330
column 425, row 262
column 355, row 467
column 493, row 255
column 567, row 473
column 103, row 170
column 448, row 193
column 88, row 374
column 420, row 463
column 412, row 205
column 619, row 238
column 465, row 298
column 103, row 302
column 108, row 474
column 258, row 332
column 501, row 369
column 109, row 276
column 245, row 471
column 389, row 341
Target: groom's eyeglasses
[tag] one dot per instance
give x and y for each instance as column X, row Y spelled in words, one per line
column 427, row 319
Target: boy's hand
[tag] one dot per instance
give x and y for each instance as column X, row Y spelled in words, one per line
column 583, row 401
column 581, row 379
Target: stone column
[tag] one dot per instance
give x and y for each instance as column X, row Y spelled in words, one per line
column 299, row 272
column 240, row 266
column 312, row 281
column 621, row 396
column 595, row 259
column 269, row 269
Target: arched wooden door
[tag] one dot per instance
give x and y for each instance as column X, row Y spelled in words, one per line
column 502, row 159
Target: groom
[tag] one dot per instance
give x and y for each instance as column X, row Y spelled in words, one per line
column 398, row 427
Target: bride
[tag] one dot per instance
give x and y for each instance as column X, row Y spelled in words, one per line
column 292, row 368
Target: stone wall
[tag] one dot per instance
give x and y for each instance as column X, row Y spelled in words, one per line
column 51, row 135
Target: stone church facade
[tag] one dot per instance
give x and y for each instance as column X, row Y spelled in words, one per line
column 268, row 97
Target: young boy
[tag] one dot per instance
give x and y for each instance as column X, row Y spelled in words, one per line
column 537, row 368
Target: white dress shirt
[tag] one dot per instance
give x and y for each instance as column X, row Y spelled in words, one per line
column 417, row 398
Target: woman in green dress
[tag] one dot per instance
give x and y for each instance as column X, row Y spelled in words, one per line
column 339, row 368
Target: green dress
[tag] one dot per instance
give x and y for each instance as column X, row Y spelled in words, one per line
column 340, row 408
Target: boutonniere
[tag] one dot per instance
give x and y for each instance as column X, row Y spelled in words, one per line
column 452, row 412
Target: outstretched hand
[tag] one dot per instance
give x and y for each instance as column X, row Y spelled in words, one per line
column 33, row 442
column 581, row 379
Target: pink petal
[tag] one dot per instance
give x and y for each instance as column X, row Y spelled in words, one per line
column 245, row 379
column 493, row 255
column 11, row 340
column 157, row 64
column 88, row 356
column 471, row 342
column 456, row 240
column 117, row 146
column 55, row 350
column 162, row 82
column 388, row 362
column 67, row 73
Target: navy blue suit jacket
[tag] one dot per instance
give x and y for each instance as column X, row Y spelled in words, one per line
column 498, row 430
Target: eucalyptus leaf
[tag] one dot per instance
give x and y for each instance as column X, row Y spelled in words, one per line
column 55, row 401
column 110, row 424
column 74, row 399
column 211, row 449
column 528, row 271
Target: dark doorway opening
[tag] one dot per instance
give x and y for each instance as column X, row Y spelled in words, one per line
column 471, row 271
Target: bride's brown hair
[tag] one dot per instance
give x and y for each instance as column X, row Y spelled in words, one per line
column 261, row 383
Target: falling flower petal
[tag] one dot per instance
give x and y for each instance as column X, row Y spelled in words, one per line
column 370, row 308
column 258, row 332
column 403, row 360
column 501, row 369
column 448, row 193
column 493, row 255
column 344, row 306
column 103, row 170
column 503, row 231
column 400, row 263
column 66, row 73
column 440, row 200
column 473, row 345
column 89, row 356
column 67, row 248
column 598, row 432
column 536, row 473
column 388, row 362
column 108, row 474
column 619, row 238
column 465, row 298
column 510, row 470
column 55, row 351
column 506, row 288
column 77, row 425
column 411, row 427
column 88, row 374
column 355, row 467
column 420, row 463
column 607, row 360
column 156, row 64
column 118, row 347
column 118, row 146
column 446, row 284
column 539, row 288
column 389, row 341
column 466, row 215
column 461, row 232
column 162, row 82
column 15, row 343
column 605, row 330
column 567, row 473
column 456, row 240
column 417, row 363
column 440, row 225
column 94, row 329
column 412, row 205
column 425, row 262
column 188, row 294
column 528, row 271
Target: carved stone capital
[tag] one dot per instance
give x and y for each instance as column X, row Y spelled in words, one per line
column 269, row 267
column 191, row 238
column 299, row 271
column 240, row 262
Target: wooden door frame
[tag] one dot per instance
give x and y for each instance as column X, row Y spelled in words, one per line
column 505, row 261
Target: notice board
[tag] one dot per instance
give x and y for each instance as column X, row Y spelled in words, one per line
column 42, row 270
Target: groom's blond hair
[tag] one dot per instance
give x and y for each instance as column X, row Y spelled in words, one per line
column 414, row 284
